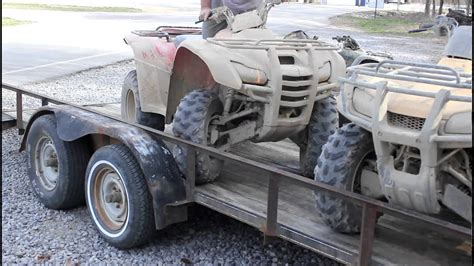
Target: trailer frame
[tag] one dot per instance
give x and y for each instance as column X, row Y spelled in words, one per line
column 268, row 223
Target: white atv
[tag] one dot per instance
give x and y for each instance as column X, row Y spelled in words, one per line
column 244, row 84
column 410, row 140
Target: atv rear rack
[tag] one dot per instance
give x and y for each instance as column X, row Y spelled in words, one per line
column 278, row 44
column 168, row 31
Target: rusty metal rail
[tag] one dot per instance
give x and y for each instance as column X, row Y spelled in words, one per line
column 276, row 176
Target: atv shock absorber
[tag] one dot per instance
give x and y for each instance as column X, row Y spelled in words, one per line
column 228, row 102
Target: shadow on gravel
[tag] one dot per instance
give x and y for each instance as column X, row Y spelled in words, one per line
column 208, row 233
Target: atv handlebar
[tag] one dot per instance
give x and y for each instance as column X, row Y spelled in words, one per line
column 202, row 20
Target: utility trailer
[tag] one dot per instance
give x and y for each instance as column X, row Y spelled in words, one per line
column 258, row 187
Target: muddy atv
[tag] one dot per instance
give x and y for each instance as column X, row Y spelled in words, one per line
column 410, row 140
column 354, row 55
column 442, row 26
column 243, row 84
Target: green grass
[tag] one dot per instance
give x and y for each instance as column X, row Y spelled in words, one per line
column 384, row 23
column 70, row 7
column 6, row 21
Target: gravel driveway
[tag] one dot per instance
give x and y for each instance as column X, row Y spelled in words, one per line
column 33, row 234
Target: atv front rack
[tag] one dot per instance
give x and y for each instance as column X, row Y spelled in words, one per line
column 415, row 72
column 278, row 44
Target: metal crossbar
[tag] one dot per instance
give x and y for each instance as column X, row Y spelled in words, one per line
column 414, row 72
column 278, row 44
column 370, row 206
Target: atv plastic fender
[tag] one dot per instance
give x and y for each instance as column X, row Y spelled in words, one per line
column 164, row 180
column 201, row 64
column 154, row 59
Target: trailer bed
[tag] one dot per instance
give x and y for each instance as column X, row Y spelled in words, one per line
column 238, row 193
column 243, row 194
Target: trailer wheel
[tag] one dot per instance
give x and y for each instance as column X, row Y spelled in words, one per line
column 323, row 123
column 191, row 122
column 130, row 107
column 55, row 167
column 117, row 197
column 340, row 165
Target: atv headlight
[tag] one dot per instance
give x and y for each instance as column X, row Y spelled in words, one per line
column 250, row 75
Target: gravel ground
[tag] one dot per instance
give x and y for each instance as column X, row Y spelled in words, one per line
column 98, row 85
column 33, row 234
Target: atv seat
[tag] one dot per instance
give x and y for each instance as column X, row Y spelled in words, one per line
column 181, row 38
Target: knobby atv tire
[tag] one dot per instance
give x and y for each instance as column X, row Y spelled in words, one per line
column 72, row 158
column 323, row 123
column 130, row 89
column 140, row 224
column 191, row 122
column 338, row 166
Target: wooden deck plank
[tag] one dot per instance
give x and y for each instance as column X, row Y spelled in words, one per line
column 406, row 245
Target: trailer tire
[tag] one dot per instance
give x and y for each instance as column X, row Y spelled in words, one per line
column 339, row 165
column 323, row 123
column 130, row 107
column 118, row 198
column 191, row 122
column 55, row 167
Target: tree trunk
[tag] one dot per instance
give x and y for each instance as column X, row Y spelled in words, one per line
column 468, row 7
column 427, row 7
column 441, row 3
column 433, row 9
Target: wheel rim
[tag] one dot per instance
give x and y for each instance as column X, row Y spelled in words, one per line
column 130, row 103
column 111, row 198
column 46, row 163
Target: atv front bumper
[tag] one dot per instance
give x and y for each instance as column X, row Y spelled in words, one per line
column 415, row 191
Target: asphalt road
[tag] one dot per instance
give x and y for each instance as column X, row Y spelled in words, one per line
column 60, row 43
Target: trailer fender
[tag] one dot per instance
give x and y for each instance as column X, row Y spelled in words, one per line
column 165, row 182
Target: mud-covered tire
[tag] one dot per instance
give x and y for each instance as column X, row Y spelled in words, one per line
column 191, row 122
column 58, row 185
column 130, row 107
column 322, row 124
column 114, row 166
column 338, row 166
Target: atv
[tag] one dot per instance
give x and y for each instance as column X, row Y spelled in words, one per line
column 410, row 139
column 354, row 55
column 244, row 84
